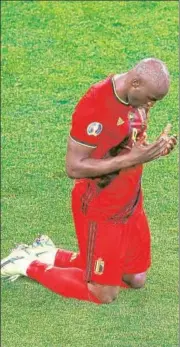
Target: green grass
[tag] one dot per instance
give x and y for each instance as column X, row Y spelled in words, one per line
column 52, row 52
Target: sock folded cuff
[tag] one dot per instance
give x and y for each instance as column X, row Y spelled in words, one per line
column 35, row 267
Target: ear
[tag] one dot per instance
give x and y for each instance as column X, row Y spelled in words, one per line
column 135, row 83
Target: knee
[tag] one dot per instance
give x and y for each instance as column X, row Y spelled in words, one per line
column 106, row 294
column 135, row 281
column 138, row 281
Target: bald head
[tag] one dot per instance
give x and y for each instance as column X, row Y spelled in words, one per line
column 155, row 72
column 146, row 83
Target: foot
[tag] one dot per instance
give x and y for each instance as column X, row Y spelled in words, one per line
column 16, row 264
column 42, row 243
column 43, row 248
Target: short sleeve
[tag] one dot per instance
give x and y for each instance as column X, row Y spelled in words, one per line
column 86, row 128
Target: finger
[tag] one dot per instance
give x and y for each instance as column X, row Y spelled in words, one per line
column 168, row 150
column 161, row 151
column 172, row 143
column 164, row 148
column 160, row 144
column 173, row 140
column 169, row 146
column 157, row 156
column 157, row 146
column 146, row 143
column 141, row 140
column 167, row 129
column 143, row 137
column 160, row 141
column 157, row 151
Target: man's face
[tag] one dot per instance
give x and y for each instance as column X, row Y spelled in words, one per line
column 144, row 95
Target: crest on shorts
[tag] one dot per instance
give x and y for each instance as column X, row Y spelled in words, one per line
column 99, row 266
column 94, row 129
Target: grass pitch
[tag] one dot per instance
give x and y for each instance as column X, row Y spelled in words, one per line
column 51, row 53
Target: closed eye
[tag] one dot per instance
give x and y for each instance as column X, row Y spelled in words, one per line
column 153, row 99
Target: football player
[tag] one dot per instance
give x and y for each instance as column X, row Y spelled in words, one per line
column 107, row 149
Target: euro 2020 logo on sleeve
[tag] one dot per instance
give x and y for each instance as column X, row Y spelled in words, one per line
column 94, row 129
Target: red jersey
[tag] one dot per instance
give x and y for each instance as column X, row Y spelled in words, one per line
column 102, row 121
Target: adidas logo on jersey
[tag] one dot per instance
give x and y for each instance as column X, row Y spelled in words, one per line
column 120, row 121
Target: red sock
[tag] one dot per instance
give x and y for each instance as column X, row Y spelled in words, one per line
column 66, row 282
column 68, row 259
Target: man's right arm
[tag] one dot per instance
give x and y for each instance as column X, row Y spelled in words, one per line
column 79, row 164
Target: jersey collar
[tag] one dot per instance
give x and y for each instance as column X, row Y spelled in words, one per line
column 115, row 93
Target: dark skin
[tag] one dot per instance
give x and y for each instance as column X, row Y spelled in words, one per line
column 80, row 165
column 138, row 91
